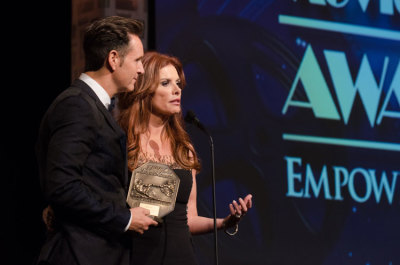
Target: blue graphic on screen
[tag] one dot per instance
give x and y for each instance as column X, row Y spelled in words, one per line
column 302, row 99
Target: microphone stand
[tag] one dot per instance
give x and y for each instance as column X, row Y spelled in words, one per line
column 213, row 190
column 213, row 198
column 191, row 118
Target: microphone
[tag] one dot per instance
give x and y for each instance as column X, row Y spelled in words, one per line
column 192, row 118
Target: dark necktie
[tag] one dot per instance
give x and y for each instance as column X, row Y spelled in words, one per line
column 112, row 104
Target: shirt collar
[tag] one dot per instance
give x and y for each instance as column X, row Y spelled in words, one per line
column 97, row 89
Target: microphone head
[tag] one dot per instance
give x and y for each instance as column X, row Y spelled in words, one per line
column 190, row 117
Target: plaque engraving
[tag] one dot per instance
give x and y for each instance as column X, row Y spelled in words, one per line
column 153, row 186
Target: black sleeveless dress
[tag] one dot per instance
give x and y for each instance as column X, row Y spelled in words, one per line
column 169, row 243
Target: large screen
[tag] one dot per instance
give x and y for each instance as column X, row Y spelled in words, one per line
column 302, row 99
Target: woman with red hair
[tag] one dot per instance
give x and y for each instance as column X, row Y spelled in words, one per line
column 152, row 118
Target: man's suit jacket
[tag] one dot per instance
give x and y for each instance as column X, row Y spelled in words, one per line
column 81, row 153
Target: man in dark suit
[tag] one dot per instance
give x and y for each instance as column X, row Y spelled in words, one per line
column 81, row 154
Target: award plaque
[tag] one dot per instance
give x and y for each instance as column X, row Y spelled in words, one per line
column 153, row 186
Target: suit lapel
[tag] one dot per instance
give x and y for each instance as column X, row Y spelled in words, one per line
column 112, row 122
column 121, row 135
column 100, row 106
column 109, row 119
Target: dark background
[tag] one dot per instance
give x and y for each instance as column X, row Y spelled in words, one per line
column 36, row 41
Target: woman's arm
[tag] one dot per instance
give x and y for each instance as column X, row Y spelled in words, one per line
column 201, row 225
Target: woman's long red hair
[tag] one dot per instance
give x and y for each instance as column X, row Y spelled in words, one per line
column 135, row 109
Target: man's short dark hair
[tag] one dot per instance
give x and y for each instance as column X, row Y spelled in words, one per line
column 106, row 34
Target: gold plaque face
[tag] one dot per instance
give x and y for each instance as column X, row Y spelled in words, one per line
column 153, row 186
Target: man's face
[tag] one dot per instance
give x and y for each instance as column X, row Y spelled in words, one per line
column 131, row 67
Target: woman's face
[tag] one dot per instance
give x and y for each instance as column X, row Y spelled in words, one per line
column 167, row 97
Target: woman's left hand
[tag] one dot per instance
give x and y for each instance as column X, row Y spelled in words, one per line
column 238, row 211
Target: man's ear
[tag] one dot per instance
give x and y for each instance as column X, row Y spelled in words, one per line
column 113, row 60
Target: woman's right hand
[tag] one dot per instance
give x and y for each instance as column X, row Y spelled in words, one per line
column 49, row 218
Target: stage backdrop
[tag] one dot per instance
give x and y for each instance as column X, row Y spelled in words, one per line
column 302, row 100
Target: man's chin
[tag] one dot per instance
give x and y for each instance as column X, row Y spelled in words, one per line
column 127, row 89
